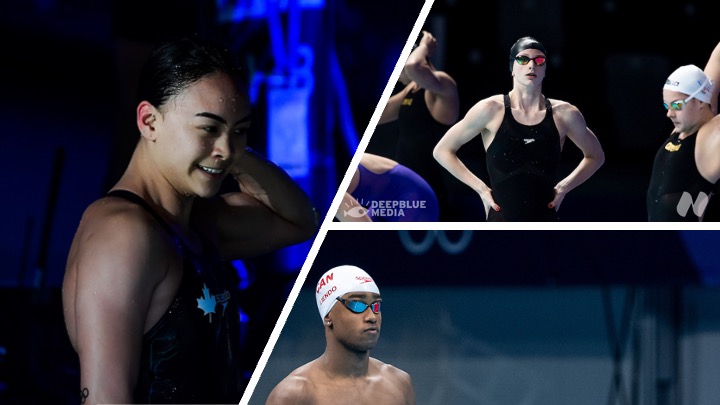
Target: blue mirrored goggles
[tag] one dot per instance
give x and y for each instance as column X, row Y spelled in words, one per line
column 359, row 307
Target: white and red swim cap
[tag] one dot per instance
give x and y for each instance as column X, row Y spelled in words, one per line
column 339, row 281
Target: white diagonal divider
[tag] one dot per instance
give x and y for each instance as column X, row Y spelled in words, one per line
column 292, row 297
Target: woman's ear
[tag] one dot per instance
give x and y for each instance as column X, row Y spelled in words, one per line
column 147, row 116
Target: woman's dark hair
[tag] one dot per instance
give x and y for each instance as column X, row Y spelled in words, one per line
column 176, row 64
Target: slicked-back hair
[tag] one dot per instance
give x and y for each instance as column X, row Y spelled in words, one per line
column 178, row 63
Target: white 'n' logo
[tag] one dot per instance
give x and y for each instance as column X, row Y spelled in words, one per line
column 698, row 205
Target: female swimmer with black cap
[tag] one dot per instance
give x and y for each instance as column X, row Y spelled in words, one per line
column 523, row 133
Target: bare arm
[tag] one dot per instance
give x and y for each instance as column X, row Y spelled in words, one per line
column 392, row 108
column 290, row 391
column 419, row 70
column 707, row 155
column 407, row 387
column 117, row 266
column 572, row 123
column 445, row 152
column 712, row 70
column 442, row 94
column 270, row 212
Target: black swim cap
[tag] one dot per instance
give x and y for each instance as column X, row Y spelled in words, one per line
column 523, row 44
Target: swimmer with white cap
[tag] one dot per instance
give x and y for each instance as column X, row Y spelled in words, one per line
column 692, row 81
column 350, row 304
column 338, row 281
column 687, row 164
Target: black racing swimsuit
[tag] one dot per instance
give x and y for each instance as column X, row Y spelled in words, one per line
column 522, row 163
column 419, row 132
column 190, row 354
column 675, row 174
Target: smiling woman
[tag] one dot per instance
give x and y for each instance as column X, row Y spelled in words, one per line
column 150, row 304
column 208, row 141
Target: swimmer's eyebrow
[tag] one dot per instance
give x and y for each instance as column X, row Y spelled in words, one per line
column 221, row 119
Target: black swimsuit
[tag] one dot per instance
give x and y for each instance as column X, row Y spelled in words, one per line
column 675, row 174
column 522, row 163
column 419, row 132
column 190, row 354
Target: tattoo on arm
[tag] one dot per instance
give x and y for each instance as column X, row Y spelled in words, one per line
column 84, row 394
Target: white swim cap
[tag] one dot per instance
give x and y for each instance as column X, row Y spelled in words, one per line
column 339, row 281
column 691, row 80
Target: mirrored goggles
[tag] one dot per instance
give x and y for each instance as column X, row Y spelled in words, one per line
column 677, row 105
column 359, row 307
column 524, row 60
